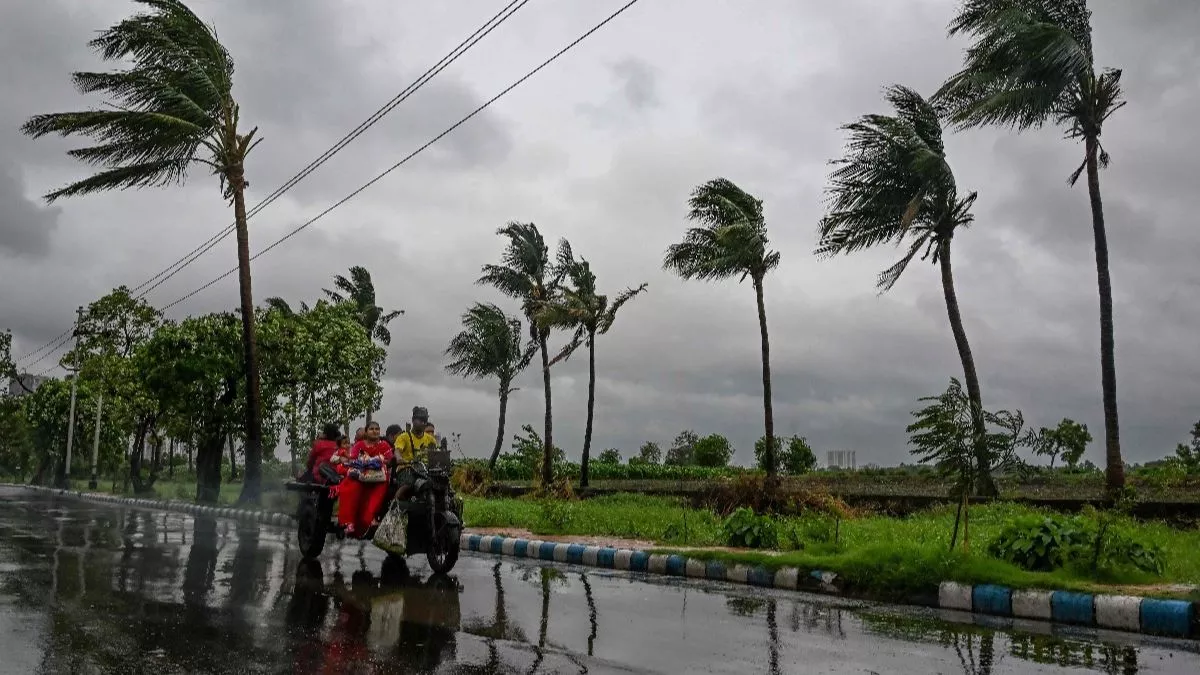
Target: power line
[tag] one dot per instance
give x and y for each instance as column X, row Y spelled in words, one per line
column 462, row 48
column 171, row 270
column 414, row 153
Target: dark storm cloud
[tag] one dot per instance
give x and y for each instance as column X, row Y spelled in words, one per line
column 603, row 149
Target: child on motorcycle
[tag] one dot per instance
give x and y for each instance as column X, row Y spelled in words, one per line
column 361, row 493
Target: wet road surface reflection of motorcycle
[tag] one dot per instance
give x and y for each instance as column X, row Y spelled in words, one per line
column 394, row 619
column 434, row 513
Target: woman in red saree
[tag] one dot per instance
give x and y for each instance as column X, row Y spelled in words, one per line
column 362, row 491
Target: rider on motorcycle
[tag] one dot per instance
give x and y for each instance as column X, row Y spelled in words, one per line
column 411, row 446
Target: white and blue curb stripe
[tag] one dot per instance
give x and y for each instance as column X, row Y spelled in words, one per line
column 1173, row 618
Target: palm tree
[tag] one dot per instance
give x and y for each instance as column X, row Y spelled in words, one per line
column 174, row 106
column 731, row 242
column 490, row 346
column 359, row 290
column 894, row 185
column 1031, row 64
column 526, row 273
column 581, row 308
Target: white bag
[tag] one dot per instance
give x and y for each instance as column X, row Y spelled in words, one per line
column 391, row 535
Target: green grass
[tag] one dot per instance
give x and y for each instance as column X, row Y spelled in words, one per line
column 274, row 498
column 882, row 555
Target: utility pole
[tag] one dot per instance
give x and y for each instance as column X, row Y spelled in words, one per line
column 96, row 442
column 74, row 388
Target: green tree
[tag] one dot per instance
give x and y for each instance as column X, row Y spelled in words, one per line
column 111, row 331
column 490, row 345
column 1188, row 456
column 895, row 185
column 579, row 307
column 730, row 242
column 943, row 434
column 713, row 450
column 796, row 457
column 1068, row 440
column 683, row 449
column 359, row 291
column 173, row 107
column 650, row 453
column 526, row 273
column 194, row 367
column 609, row 456
column 1032, row 63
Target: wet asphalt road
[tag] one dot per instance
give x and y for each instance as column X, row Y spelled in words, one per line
column 87, row 588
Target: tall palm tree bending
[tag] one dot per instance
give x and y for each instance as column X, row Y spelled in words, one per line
column 490, row 345
column 894, row 184
column 170, row 107
column 589, row 313
column 731, row 241
column 525, row 273
column 1032, row 63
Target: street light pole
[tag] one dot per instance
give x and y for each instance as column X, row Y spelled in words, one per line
column 96, row 442
column 74, row 388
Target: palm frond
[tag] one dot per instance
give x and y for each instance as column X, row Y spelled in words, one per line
column 610, row 316
column 169, row 102
column 888, row 278
column 1030, row 61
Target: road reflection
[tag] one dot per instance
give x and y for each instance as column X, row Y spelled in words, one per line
column 101, row 589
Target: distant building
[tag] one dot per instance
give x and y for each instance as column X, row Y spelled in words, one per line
column 841, row 459
column 30, row 383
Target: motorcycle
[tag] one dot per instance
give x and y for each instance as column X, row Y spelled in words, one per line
column 434, row 512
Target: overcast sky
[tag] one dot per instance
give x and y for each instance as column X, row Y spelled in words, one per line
column 602, row 148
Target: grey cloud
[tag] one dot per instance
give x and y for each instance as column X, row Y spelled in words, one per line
column 761, row 105
column 26, row 228
column 638, row 83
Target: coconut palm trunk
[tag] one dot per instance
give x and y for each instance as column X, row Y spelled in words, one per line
column 548, row 448
column 504, row 391
column 252, row 478
column 1115, row 471
column 768, row 411
column 591, row 410
column 984, row 485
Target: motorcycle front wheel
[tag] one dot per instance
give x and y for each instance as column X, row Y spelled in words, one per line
column 443, row 546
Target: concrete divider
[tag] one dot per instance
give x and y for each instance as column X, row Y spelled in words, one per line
column 1172, row 618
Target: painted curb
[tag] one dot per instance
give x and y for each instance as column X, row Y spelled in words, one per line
column 244, row 515
column 1170, row 618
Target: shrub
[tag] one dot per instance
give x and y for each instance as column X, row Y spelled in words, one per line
column 1040, row 544
column 746, row 529
column 1052, row 542
column 471, row 478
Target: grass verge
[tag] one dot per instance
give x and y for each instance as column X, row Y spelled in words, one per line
column 884, row 556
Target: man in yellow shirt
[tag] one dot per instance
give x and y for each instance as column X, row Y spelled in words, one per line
column 411, row 446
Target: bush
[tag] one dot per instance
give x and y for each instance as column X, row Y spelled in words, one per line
column 610, row 457
column 1052, row 542
column 471, row 478
column 745, row 529
column 713, row 450
column 1040, row 544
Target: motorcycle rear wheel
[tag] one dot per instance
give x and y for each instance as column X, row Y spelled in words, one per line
column 311, row 529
